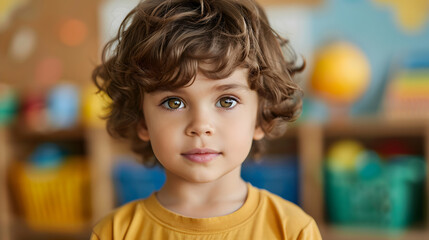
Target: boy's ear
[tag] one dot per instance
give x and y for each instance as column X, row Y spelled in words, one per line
column 258, row 134
column 142, row 132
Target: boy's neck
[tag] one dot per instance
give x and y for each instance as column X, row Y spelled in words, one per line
column 203, row 200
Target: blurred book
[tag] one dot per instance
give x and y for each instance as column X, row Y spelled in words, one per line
column 407, row 94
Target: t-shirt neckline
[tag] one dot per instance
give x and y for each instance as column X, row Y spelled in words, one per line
column 213, row 224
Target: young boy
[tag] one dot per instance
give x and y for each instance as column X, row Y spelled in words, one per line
column 194, row 83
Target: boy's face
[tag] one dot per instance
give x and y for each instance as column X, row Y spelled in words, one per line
column 204, row 131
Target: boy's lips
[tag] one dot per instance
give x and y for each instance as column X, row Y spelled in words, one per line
column 201, row 155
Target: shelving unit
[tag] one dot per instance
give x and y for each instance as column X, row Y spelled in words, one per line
column 5, row 156
column 312, row 138
column 101, row 159
column 97, row 151
column 52, row 59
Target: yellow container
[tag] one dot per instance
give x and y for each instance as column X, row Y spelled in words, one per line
column 54, row 199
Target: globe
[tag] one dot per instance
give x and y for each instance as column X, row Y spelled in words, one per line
column 341, row 73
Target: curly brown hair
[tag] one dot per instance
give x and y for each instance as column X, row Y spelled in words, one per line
column 162, row 44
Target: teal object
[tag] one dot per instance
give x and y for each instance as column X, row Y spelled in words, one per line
column 408, row 174
column 47, row 155
column 369, row 165
column 391, row 197
column 8, row 105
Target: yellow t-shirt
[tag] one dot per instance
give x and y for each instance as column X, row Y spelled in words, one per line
column 262, row 216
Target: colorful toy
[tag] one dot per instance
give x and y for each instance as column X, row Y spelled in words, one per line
column 63, row 106
column 341, row 73
column 34, row 112
column 95, row 106
column 8, row 105
column 343, row 155
column 408, row 90
column 369, row 165
column 73, row 32
column 47, row 155
column 48, row 71
column 23, row 44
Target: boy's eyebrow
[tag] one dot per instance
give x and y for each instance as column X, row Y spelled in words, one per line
column 218, row 88
column 225, row 87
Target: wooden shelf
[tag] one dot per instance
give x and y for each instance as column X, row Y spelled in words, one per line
column 336, row 233
column 377, row 127
column 21, row 231
column 75, row 133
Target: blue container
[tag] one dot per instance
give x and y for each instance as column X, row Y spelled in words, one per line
column 134, row 181
column 277, row 174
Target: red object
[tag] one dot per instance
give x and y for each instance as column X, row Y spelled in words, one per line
column 34, row 112
column 389, row 148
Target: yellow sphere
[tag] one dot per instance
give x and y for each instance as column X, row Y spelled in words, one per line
column 95, row 106
column 341, row 73
column 342, row 155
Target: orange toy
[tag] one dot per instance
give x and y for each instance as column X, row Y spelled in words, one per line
column 341, row 73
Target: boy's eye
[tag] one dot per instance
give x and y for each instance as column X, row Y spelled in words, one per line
column 226, row 102
column 173, row 103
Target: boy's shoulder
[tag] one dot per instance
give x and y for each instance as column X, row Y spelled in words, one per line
column 283, row 206
column 119, row 219
column 291, row 216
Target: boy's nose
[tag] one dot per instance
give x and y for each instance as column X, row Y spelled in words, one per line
column 200, row 125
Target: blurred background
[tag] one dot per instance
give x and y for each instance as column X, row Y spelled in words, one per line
column 356, row 160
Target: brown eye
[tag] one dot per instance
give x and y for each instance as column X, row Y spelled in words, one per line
column 173, row 103
column 226, row 102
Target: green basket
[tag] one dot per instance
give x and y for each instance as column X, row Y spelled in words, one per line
column 391, row 199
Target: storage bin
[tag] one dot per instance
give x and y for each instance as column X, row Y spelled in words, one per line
column 277, row 174
column 134, row 181
column 392, row 199
column 53, row 199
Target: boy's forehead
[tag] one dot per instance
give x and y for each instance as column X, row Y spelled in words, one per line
column 237, row 80
column 208, row 73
